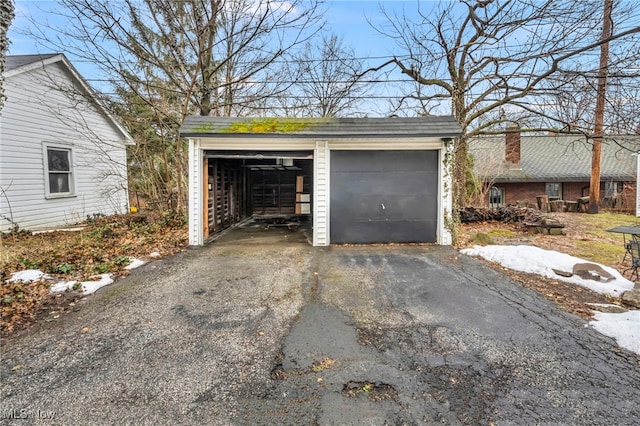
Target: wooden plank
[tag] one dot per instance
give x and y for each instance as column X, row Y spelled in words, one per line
column 215, row 196
column 205, row 204
column 233, row 196
column 223, row 196
column 299, row 190
column 236, row 209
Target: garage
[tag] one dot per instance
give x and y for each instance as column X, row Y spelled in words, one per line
column 355, row 180
column 384, row 196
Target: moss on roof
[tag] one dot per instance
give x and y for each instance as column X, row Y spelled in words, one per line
column 271, row 125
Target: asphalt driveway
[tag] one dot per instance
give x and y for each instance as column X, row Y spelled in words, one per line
column 261, row 328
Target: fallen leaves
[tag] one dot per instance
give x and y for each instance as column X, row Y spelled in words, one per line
column 102, row 245
column 20, row 301
column 323, row 365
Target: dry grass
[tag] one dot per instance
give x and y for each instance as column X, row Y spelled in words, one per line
column 586, row 236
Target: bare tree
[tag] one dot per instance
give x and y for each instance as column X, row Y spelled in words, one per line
column 208, row 57
column 479, row 184
column 487, row 62
column 329, row 80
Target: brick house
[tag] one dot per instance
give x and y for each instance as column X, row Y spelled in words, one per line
column 516, row 168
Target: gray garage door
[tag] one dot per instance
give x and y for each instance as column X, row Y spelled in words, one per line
column 384, row 196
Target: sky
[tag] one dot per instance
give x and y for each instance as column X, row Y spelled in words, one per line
column 345, row 17
column 353, row 20
column 348, row 19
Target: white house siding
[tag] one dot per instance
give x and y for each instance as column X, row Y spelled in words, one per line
column 39, row 110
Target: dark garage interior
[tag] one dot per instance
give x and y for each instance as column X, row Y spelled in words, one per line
column 240, row 185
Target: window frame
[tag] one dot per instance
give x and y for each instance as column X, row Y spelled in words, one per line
column 501, row 195
column 612, row 188
column 559, row 191
column 46, row 147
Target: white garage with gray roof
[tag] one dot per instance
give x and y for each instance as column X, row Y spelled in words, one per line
column 359, row 180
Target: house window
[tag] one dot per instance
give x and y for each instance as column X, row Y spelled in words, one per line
column 553, row 191
column 58, row 171
column 496, row 197
column 612, row 189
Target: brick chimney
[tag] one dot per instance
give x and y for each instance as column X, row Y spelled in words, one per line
column 512, row 144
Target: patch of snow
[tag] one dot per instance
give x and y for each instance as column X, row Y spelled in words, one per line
column 624, row 327
column 28, row 276
column 61, row 286
column 155, row 254
column 135, row 263
column 48, row 231
column 87, row 287
column 604, row 305
column 539, row 261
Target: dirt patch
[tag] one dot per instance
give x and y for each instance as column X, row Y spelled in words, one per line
column 373, row 391
column 569, row 297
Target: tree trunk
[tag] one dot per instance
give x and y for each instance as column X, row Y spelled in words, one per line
column 460, row 154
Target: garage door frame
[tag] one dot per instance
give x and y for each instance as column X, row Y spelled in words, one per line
column 384, row 196
column 322, row 181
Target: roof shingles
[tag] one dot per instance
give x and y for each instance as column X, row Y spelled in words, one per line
column 555, row 158
column 16, row 61
column 206, row 126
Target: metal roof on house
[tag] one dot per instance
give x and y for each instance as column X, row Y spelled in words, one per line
column 559, row 158
column 431, row 126
column 13, row 62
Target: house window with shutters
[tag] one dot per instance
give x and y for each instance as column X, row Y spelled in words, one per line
column 58, row 171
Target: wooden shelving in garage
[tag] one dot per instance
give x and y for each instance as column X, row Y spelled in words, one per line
column 225, row 195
